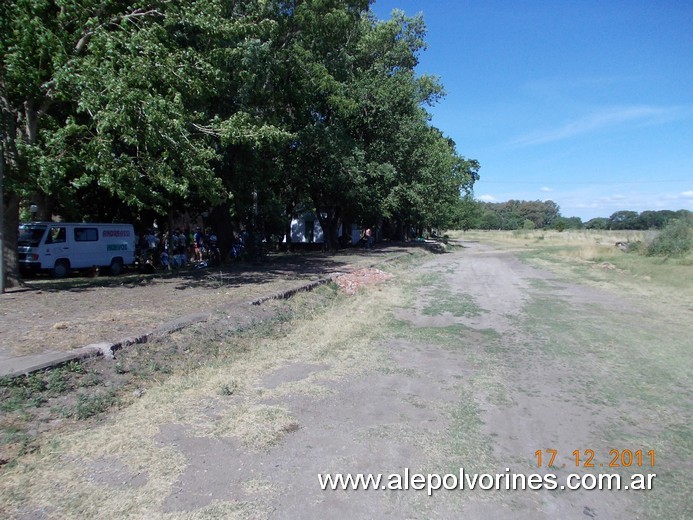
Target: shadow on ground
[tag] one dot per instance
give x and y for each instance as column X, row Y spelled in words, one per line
column 235, row 274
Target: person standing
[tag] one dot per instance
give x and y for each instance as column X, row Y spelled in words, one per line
column 199, row 244
column 369, row 238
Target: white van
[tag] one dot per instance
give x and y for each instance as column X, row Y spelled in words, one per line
column 60, row 247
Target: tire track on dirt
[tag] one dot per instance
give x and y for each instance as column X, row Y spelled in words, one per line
column 529, row 399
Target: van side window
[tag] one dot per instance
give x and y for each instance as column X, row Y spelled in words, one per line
column 86, row 235
column 56, row 235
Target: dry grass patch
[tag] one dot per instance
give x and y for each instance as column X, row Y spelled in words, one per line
column 593, row 258
column 321, row 327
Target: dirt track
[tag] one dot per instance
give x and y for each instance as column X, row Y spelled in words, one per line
column 480, row 362
column 493, row 369
column 527, row 399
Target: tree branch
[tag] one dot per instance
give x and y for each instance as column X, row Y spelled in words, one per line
column 207, row 130
column 134, row 15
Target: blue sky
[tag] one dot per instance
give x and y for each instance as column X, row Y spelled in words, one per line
column 587, row 103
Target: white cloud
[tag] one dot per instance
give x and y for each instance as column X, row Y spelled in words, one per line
column 589, row 203
column 545, row 189
column 487, row 198
column 606, row 118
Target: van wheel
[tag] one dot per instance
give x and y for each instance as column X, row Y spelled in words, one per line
column 61, row 268
column 116, row 266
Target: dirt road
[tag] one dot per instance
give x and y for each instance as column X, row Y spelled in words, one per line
column 470, row 360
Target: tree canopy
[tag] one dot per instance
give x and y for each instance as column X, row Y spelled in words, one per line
column 633, row 220
column 254, row 109
column 518, row 214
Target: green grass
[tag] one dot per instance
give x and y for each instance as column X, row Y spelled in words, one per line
column 631, row 369
column 628, row 360
column 575, row 253
column 32, row 390
column 90, row 405
column 449, row 337
column 637, row 371
column 467, row 445
column 443, row 301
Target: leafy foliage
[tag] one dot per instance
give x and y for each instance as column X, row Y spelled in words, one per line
column 519, row 214
column 676, row 239
column 127, row 110
column 634, row 220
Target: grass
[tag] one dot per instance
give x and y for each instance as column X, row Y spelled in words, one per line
column 639, row 375
column 630, row 357
column 591, row 257
column 232, row 369
column 28, row 402
column 21, row 393
column 90, row 405
column 323, row 327
column 443, row 301
column 633, row 370
column 468, row 447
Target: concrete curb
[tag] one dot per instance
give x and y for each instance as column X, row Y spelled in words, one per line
column 283, row 295
column 25, row 365
column 38, row 362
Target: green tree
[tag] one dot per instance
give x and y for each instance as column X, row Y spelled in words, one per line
column 251, row 109
column 625, row 220
column 41, row 41
column 93, row 100
column 676, row 239
column 414, row 175
column 597, row 223
column 118, row 103
column 529, row 224
column 364, row 149
column 489, row 219
column 563, row 223
column 469, row 213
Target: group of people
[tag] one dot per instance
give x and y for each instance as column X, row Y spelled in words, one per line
column 178, row 248
column 199, row 246
column 205, row 247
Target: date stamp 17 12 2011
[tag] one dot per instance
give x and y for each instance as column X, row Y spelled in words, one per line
column 587, row 459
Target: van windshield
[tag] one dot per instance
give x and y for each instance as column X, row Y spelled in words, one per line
column 30, row 235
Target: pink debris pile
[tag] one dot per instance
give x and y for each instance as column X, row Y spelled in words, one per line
column 350, row 282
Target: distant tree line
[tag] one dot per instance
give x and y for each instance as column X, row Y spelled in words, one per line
column 518, row 214
column 522, row 214
column 249, row 112
column 634, row 220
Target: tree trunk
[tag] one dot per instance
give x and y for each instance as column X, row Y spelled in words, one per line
column 330, row 226
column 2, row 218
column 222, row 225
column 287, row 229
column 9, row 241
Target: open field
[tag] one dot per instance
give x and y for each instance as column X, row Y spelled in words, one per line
column 592, row 257
column 475, row 359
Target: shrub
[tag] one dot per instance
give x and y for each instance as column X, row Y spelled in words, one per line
column 95, row 404
column 676, row 239
column 57, row 382
column 636, row 247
